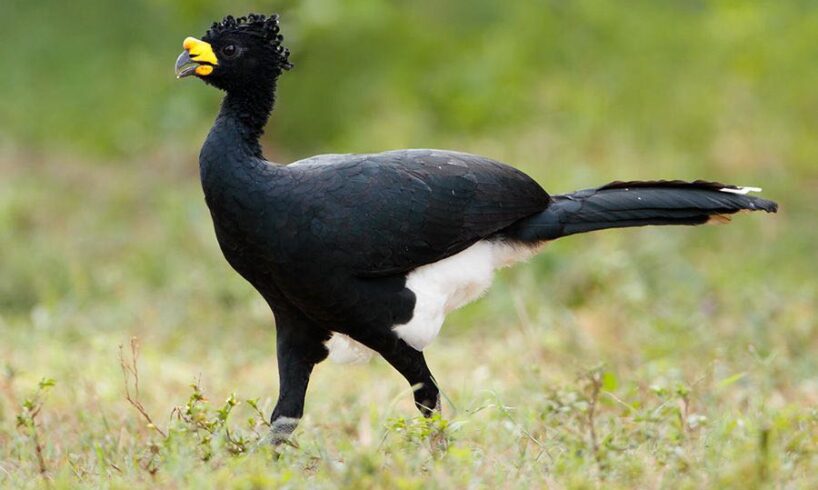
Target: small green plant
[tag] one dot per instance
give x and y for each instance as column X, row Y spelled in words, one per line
column 27, row 420
column 196, row 423
column 209, row 426
column 436, row 431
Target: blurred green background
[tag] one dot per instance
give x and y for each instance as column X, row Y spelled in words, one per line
column 104, row 233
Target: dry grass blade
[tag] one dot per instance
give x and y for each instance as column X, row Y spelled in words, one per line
column 595, row 385
column 130, row 375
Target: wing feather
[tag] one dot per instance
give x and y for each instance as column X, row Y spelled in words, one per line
column 388, row 213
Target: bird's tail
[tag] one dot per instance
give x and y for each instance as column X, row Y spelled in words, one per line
column 626, row 204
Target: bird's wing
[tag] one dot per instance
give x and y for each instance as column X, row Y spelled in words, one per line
column 388, row 213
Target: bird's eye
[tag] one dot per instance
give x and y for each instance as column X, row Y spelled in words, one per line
column 230, row 51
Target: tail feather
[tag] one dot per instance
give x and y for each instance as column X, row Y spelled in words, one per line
column 627, row 204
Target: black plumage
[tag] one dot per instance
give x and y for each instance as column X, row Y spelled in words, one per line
column 332, row 241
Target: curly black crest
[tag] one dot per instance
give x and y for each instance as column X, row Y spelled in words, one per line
column 266, row 27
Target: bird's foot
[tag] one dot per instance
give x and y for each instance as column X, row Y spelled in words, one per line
column 279, row 435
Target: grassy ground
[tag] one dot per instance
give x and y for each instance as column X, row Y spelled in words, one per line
column 650, row 358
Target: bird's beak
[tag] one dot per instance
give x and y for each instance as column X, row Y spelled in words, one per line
column 198, row 58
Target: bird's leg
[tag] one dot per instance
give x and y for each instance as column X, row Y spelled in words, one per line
column 299, row 348
column 411, row 364
column 294, row 375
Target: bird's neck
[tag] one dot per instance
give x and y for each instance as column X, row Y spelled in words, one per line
column 232, row 151
column 245, row 113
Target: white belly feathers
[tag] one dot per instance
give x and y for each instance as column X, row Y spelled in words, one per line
column 439, row 288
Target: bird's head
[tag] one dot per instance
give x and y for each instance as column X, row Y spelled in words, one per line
column 236, row 53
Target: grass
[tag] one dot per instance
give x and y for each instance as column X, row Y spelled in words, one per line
column 648, row 358
column 643, row 358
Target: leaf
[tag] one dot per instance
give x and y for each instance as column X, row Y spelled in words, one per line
column 609, row 381
column 731, row 379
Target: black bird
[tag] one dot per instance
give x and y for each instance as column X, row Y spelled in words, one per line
column 362, row 253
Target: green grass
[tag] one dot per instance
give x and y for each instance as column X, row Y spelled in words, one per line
column 700, row 341
column 649, row 358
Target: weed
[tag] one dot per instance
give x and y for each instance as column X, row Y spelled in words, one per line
column 130, row 376
column 27, row 421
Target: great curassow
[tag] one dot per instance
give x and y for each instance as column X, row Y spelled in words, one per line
column 363, row 253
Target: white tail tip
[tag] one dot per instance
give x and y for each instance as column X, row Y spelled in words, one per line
column 741, row 190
